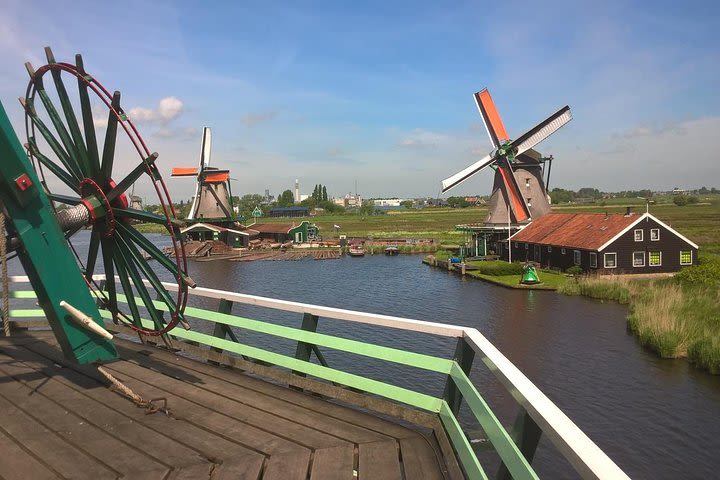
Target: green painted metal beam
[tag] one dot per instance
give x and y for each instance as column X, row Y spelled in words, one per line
column 50, row 265
column 463, row 449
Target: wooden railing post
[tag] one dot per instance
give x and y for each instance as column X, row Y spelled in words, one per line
column 221, row 330
column 526, row 435
column 464, row 356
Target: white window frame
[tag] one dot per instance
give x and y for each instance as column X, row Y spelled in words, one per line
column 516, row 244
column 593, row 260
column 643, row 259
column 650, row 264
column 527, row 246
column 605, row 259
column 562, row 250
column 577, row 257
column 691, row 257
column 635, row 234
column 654, row 234
column 549, row 248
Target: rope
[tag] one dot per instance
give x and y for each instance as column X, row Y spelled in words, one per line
column 4, row 273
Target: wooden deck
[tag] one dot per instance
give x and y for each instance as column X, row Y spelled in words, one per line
column 59, row 420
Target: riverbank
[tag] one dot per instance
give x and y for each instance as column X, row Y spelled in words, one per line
column 496, row 272
column 676, row 317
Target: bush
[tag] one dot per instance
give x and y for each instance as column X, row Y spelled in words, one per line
column 706, row 273
column 499, row 268
column 443, row 255
column 574, row 270
column 680, row 200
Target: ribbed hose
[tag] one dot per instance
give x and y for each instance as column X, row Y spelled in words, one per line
column 73, row 218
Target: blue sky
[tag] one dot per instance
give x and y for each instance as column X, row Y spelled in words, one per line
column 381, row 92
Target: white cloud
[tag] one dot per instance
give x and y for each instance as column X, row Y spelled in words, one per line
column 167, row 110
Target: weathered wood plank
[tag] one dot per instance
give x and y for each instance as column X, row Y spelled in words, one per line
column 419, row 459
column 205, row 431
column 334, row 463
column 192, row 472
column 74, row 416
column 328, row 409
column 288, row 466
column 248, row 399
column 247, row 468
column 17, row 464
column 44, row 443
column 379, row 461
column 194, row 398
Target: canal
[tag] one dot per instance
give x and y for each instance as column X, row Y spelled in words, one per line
column 655, row 418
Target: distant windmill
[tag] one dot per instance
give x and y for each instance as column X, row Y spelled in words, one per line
column 212, row 201
column 518, row 188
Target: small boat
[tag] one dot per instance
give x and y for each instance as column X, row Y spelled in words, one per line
column 356, row 251
column 392, row 250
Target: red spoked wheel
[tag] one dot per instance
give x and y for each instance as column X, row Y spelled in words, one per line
column 82, row 181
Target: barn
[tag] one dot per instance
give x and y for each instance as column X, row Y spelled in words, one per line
column 603, row 243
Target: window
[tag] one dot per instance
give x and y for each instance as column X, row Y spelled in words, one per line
column 562, row 251
column 639, row 235
column 593, row 260
column 576, row 257
column 686, row 257
column 516, row 245
column 549, row 248
column 654, row 234
column 654, row 258
column 527, row 182
column 611, row 260
column 529, row 202
column 638, row 259
column 527, row 246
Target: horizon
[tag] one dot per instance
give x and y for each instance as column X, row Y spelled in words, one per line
column 381, row 93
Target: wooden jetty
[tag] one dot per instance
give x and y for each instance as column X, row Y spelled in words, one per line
column 270, row 415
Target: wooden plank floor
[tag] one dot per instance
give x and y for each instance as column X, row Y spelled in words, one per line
column 59, row 420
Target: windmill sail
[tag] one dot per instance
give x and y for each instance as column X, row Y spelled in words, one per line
column 491, row 118
column 459, row 177
column 543, row 130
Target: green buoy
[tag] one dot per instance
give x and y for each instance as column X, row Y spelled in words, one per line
column 529, row 275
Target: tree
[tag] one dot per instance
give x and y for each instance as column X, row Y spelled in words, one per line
column 247, row 203
column 286, row 199
column 367, row 208
column 680, row 200
column 324, row 194
column 457, row 202
column 407, row 203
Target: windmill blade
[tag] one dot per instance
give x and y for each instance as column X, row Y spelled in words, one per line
column 515, row 199
column 184, row 172
column 459, row 177
column 205, row 149
column 543, row 130
column 491, row 118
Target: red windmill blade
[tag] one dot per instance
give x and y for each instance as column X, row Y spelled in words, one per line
column 504, row 157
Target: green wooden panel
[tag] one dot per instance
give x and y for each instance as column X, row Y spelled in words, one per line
column 460, row 443
column 513, row 459
column 419, row 400
column 27, row 313
column 23, row 294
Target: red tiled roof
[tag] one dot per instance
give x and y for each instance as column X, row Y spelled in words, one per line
column 588, row 231
column 272, row 227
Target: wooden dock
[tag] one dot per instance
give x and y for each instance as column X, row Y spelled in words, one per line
column 60, row 420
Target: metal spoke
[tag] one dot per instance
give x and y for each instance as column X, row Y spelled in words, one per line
column 50, row 139
column 137, row 259
column 151, row 249
column 66, row 178
column 126, row 286
column 136, row 173
column 92, row 253
column 110, row 137
column 56, row 197
column 107, row 249
column 67, row 142
column 123, row 250
column 143, row 216
column 70, row 118
column 88, row 122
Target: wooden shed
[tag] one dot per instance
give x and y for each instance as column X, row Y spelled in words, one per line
column 603, row 243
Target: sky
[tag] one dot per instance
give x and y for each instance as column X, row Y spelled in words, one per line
column 379, row 94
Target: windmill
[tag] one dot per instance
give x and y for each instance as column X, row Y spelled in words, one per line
column 519, row 192
column 212, row 201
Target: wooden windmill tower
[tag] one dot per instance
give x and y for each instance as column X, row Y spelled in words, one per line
column 212, row 202
column 519, row 192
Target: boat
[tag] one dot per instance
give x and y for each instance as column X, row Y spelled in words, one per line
column 356, row 251
column 392, row 250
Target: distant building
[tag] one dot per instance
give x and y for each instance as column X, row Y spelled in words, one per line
column 289, row 212
column 349, row 201
column 284, row 232
column 388, row 202
column 603, row 243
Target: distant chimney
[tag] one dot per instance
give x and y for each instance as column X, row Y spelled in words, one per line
column 628, row 211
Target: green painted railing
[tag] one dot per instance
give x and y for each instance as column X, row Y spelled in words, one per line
column 537, row 414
